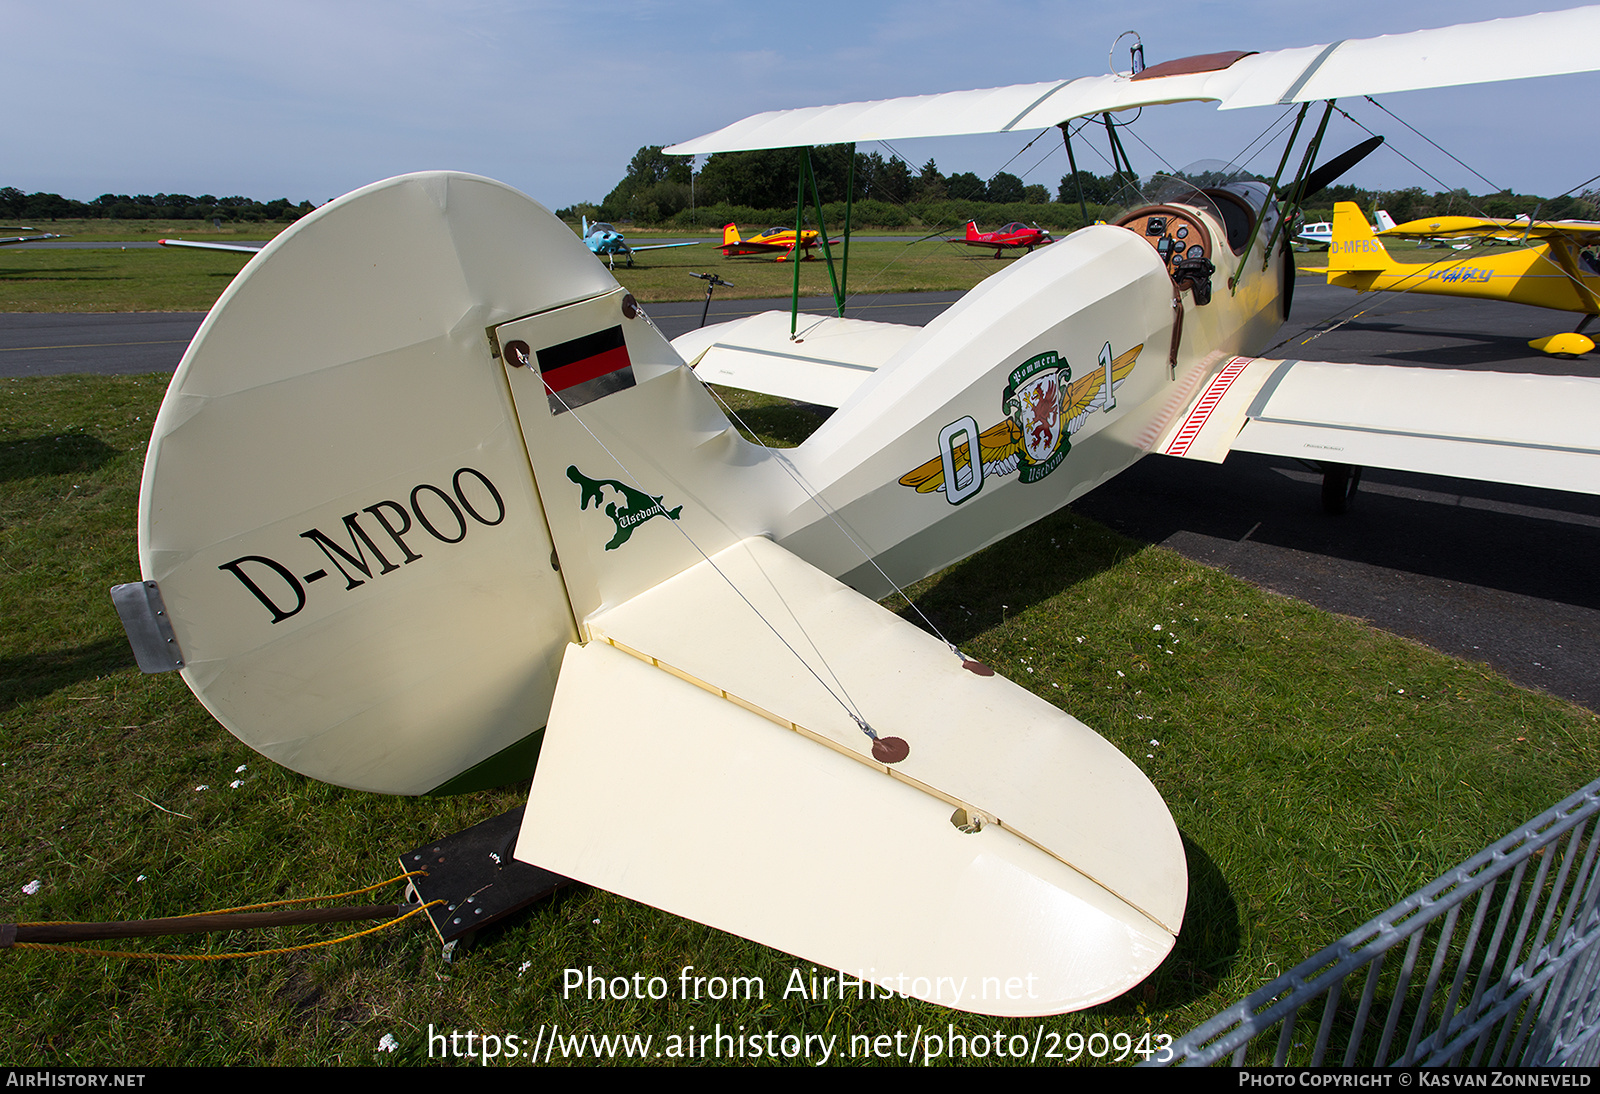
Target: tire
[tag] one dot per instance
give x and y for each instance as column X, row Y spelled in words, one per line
column 1339, row 482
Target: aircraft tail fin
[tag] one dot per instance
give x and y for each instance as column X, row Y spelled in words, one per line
column 1355, row 249
column 730, row 234
column 1385, row 221
column 972, row 229
column 357, row 579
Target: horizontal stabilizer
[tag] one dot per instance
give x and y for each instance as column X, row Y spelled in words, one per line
column 754, row 803
column 824, row 364
column 1500, row 427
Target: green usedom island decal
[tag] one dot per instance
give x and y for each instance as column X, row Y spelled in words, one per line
column 636, row 506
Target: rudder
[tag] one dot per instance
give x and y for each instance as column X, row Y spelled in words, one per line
column 1355, row 249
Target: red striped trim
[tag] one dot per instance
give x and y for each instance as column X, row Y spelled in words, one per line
column 1195, row 422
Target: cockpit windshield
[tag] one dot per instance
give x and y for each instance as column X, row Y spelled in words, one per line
column 1232, row 197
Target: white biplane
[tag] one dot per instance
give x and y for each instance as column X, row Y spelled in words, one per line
column 430, row 496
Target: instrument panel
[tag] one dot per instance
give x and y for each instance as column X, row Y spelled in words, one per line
column 1181, row 239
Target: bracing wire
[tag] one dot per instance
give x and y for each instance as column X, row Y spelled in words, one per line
column 1493, row 187
column 842, row 696
column 816, row 497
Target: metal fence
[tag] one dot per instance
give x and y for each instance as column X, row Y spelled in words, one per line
column 1519, row 986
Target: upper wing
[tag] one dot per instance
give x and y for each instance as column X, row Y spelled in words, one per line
column 240, row 248
column 1500, row 49
column 1499, row 427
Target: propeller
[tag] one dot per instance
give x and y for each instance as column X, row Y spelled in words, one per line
column 1319, row 179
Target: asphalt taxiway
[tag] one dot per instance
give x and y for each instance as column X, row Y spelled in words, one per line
column 1496, row 574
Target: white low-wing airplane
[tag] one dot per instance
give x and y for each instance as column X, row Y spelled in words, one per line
column 430, row 497
column 1320, row 233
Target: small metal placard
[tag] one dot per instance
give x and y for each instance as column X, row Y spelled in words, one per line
column 144, row 617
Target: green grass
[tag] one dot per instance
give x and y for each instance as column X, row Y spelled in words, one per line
column 1318, row 770
column 903, row 265
column 110, row 280
column 166, row 279
column 98, row 230
column 170, row 279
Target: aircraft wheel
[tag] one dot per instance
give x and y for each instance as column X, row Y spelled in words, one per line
column 1339, row 482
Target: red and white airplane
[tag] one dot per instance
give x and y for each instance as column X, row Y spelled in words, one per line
column 1014, row 234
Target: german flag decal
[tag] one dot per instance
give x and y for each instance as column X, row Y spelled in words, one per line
column 585, row 369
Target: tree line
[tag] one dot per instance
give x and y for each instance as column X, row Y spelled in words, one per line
column 16, row 205
column 658, row 189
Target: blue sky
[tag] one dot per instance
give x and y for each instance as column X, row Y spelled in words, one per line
column 308, row 100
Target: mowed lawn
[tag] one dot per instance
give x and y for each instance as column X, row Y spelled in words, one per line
column 1317, row 768
column 173, row 279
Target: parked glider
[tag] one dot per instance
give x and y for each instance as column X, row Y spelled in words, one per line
column 236, row 248
column 7, row 241
column 773, row 241
column 1012, row 235
column 602, row 239
column 1552, row 273
column 527, row 530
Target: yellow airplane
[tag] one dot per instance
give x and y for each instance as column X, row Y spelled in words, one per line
column 778, row 241
column 1553, row 273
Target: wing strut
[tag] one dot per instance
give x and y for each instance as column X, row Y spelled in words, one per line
column 1117, row 151
column 1255, row 228
column 1072, row 163
column 1291, row 199
column 1121, row 166
column 839, row 280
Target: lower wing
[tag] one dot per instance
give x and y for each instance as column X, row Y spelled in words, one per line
column 1500, row 427
column 831, row 358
